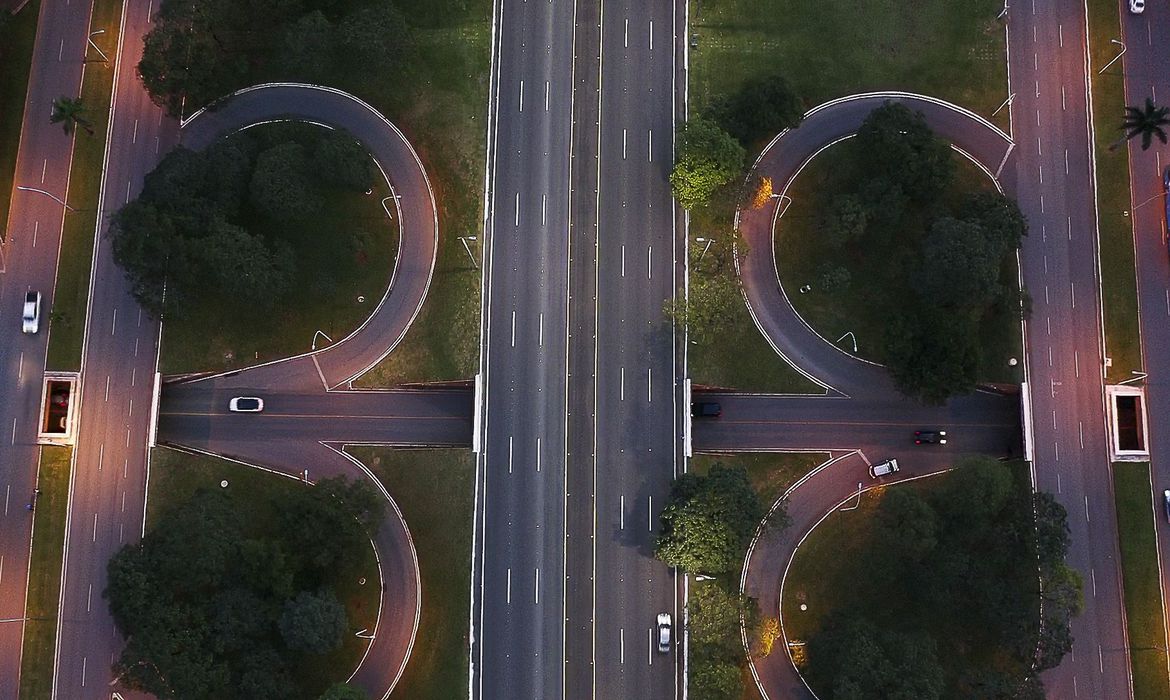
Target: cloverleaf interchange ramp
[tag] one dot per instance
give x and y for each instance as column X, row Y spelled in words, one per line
column 309, row 414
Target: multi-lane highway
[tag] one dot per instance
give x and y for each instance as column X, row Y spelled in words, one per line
column 518, row 577
column 107, row 490
column 28, row 261
column 1146, row 66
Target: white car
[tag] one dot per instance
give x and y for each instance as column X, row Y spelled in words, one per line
column 1137, row 6
column 884, row 469
column 246, row 404
column 31, row 317
column 664, row 632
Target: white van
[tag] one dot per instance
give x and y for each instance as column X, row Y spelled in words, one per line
column 884, row 469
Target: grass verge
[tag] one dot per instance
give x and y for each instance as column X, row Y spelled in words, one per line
column 44, row 583
column 771, row 473
column 176, row 476
column 444, row 119
column 67, row 319
column 1145, row 619
column 801, row 252
column 1114, row 227
column 438, row 511
column 18, row 33
column 952, row 49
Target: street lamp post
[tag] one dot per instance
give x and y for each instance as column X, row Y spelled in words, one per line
column 89, row 40
column 1114, row 41
column 708, row 241
column 464, row 240
column 50, row 195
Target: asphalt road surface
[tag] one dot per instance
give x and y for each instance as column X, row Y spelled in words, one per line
column 28, row 261
column 1146, row 64
column 518, row 576
column 107, row 491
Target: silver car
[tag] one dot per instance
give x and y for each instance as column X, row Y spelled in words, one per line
column 31, row 316
column 664, row 632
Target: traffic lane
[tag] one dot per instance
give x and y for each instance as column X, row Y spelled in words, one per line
column 208, row 399
column 975, row 408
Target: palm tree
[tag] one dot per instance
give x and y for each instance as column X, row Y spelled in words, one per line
column 70, row 113
column 1146, row 120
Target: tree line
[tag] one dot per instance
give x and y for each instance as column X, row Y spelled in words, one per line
column 198, row 52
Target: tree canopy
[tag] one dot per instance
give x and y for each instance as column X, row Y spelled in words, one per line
column 200, row 222
column 956, row 566
column 244, row 42
column 215, row 604
column 897, row 144
column 761, row 108
column 708, row 158
column 709, row 520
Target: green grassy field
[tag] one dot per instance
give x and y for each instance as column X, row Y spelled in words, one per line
column 1145, row 618
column 67, row 318
column 801, row 252
column 44, row 584
column 434, row 489
column 952, row 49
column 17, row 35
column 1115, row 228
column 176, row 476
column 771, row 473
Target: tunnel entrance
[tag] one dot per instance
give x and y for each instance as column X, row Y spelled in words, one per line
column 1127, row 423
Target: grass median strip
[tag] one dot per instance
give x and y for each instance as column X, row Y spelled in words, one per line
column 1145, row 618
column 67, row 317
column 17, row 35
column 1115, row 228
column 44, row 583
column 434, row 490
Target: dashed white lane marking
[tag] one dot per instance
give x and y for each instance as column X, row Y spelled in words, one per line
column 20, row 368
column 509, row 454
column 540, row 330
column 1072, row 286
column 44, row 170
column 543, row 208
column 1077, row 363
column 134, row 134
column 107, row 396
column 649, row 385
column 546, row 89
column 1058, row 488
column 1081, row 433
column 517, row 208
column 624, row 274
column 626, row 34
column 650, row 513
column 1093, row 577
column 95, row 519
column 650, row 146
column 1087, row 509
column 622, row 385
column 1063, row 101
column 623, row 144
column 509, row 587
column 537, row 454
column 538, row 586
column 513, row 329
column 651, row 35
column 13, row 431
column 89, row 598
column 36, row 230
column 622, row 645
column 622, row 512
column 1060, row 34
column 521, row 96
column 114, row 323
column 649, row 262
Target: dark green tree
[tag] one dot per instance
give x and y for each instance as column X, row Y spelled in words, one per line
column 309, row 48
column 708, row 310
column 708, row 158
column 264, row 675
column 845, row 221
column 313, row 622
column 70, row 114
column 1000, row 218
column 1146, row 121
column 1052, row 533
column 715, row 680
column 763, row 106
column 859, row 662
column 281, row 187
column 959, row 267
column 709, row 520
column 243, row 266
column 932, row 355
column 342, row 691
column 713, row 622
column 896, row 143
column 342, row 161
column 374, row 37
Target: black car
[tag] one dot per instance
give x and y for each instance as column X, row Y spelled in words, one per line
column 706, row 409
column 930, row 437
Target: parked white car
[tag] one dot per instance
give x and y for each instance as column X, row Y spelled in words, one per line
column 246, row 404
